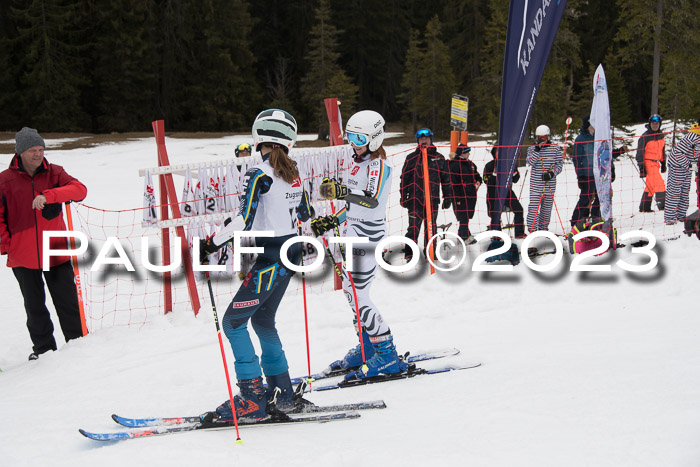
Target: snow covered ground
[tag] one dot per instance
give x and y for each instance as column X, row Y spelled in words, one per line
column 579, row 369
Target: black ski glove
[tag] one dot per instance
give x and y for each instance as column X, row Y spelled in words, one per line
column 321, row 225
column 663, row 167
column 516, row 177
column 642, row 171
column 547, row 176
column 446, row 203
column 206, row 248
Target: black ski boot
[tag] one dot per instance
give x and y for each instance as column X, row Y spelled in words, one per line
column 661, row 200
column 285, row 396
column 645, row 204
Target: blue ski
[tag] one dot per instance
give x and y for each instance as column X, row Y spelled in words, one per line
column 166, row 430
column 430, row 355
column 305, row 409
column 391, row 377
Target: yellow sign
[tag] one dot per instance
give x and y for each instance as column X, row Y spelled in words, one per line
column 460, row 110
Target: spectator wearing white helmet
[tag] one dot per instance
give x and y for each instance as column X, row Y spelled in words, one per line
column 369, row 182
column 273, row 199
column 545, row 160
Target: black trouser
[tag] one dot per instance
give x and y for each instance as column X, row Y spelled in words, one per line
column 61, row 284
column 415, row 219
column 511, row 202
column 588, row 203
column 463, row 212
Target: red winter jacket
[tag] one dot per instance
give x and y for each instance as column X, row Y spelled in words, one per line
column 21, row 227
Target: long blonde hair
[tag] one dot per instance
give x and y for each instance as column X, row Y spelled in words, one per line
column 283, row 165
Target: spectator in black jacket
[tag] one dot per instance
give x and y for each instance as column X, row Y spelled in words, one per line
column 510, row 203
column 465, row 181
column 412, row 191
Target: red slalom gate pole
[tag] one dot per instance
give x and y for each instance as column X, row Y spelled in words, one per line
column 566, row 136
column 354, row 293
column 352, row 284
column 223, row 357
column 306, row 315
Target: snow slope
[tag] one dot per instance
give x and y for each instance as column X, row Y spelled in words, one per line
column 579, row 369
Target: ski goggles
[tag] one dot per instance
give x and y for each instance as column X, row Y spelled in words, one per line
column 655, row 118
column 357, row 139
column 243, row 147
column 424, row 132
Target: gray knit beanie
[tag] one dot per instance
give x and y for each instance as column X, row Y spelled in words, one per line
column 27, row 138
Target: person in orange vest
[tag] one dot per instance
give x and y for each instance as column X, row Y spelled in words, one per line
column 651, row 156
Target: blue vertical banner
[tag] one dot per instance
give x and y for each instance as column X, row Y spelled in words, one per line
column 600, row 119
column 532, row 26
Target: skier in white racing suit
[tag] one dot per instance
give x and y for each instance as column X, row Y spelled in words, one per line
column 366, row 193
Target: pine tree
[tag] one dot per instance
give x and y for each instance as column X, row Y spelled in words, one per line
column 463, row 25
column 9, row 77
column 634, row 47
column 437, row 78
column 49, row 64
column 125, row 78
column 556, row 92
column 280, row 85
column 281, row 34
column 411, row 81
column 679, row 95
column 485, row 107
column 428, row 81
column 323, row 69
column 221, row 93
column 373, row 48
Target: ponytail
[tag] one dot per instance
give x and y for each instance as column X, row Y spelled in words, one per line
column 283, row 165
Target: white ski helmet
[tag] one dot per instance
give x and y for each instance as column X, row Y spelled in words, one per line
column 542, row 130
column 366, row 127
column 274, row 126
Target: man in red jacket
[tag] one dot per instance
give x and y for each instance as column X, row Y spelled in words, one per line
column 31, row 195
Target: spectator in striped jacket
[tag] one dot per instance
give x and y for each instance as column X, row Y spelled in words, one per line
column 545, row 160
column 682, row 163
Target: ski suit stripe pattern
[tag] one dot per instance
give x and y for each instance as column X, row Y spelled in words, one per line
column 363, row 272
column 547, row 158
column 679, row 176
column 250, row 204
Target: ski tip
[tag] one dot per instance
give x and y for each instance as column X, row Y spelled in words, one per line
column 123, row 421
column 103, row 436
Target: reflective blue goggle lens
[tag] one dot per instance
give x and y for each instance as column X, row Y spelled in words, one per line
column 357, row 139
column 424, row 132
column 656, row 118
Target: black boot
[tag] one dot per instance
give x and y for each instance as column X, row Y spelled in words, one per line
column 285, row 398
column 645, row 204
column 661, row 200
